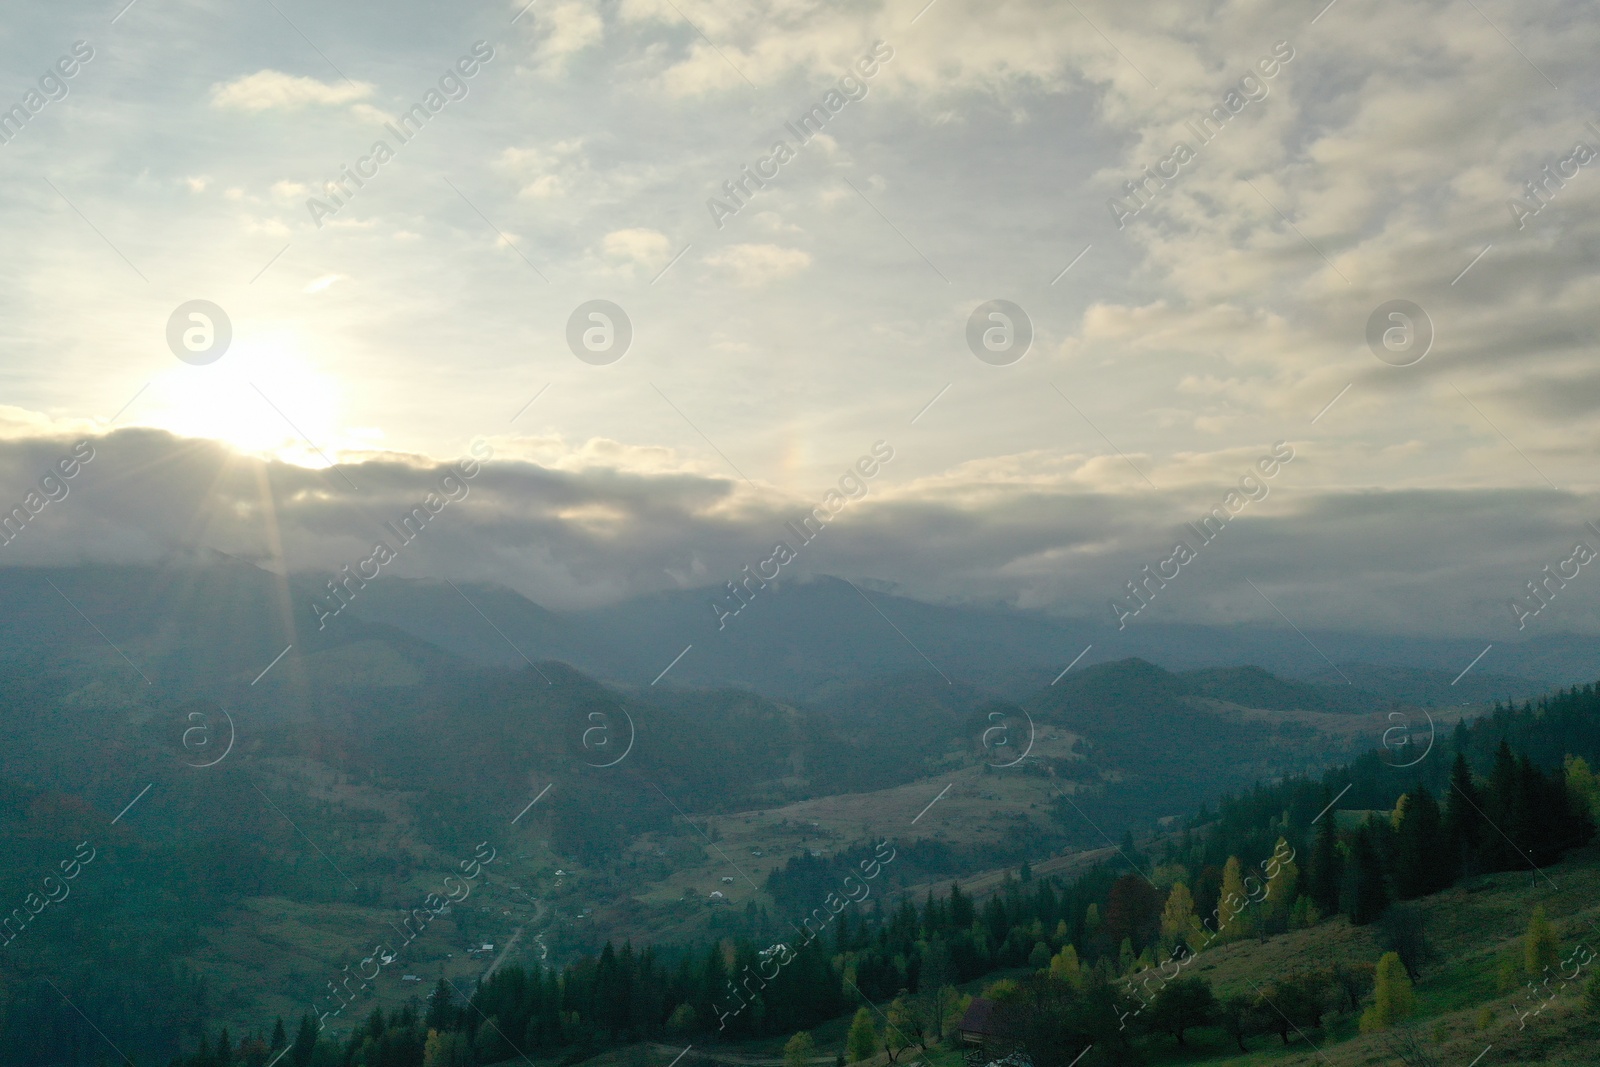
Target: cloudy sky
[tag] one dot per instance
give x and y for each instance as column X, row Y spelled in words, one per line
column 1176, row 335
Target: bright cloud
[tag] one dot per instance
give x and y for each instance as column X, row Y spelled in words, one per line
column 757, row 264
column 273, row 90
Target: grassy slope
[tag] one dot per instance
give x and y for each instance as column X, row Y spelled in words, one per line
column 1469, row 928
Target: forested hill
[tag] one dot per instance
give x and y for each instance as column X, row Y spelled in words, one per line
column 1510, row 791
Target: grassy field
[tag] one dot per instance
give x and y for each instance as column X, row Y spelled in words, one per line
column 963, row 804
column 957, row 807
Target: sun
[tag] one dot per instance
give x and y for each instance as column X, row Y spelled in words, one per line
column 265, row 397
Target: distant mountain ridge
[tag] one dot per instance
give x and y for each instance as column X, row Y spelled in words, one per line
column 824, row 695
column 797, row 641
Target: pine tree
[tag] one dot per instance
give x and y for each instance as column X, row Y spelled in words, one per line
column 1327, row 867
column 1421, row 866
column 609, row 990
column 714, row 986
column 1464, row 815
column 279, row 1038
column 962, row 913
column 862, row 1041
column 441, row 1012
column 1392, row 999
column 1363, row 896
column 1539, row 948
column 305, row 1042
column 1505, row 810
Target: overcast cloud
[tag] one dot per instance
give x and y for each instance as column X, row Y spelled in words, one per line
column 976, row 162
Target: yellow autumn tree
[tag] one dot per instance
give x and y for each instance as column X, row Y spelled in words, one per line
column 1281, row 891
column 1231, row 921
column 1583, row 785
column 1178, row 922
column 1392, row 999
column 1064, row 965
column 1539, row 948
column 861, row 1042
column 448, row 1049
column 797, row 1051
column 1398, row 815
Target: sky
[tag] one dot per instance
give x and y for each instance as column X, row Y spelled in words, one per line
column 1370, row 153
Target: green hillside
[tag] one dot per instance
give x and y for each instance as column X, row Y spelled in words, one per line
column 1387, row 927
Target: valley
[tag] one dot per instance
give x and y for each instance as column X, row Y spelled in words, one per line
column 361, row 770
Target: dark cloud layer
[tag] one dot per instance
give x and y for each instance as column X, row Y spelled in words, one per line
column 1435, row 562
